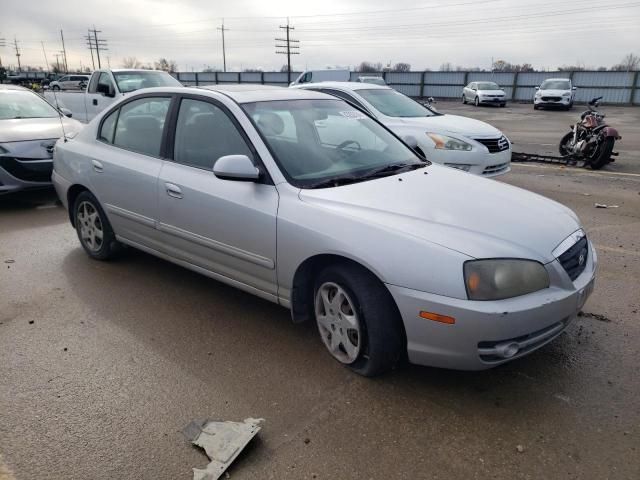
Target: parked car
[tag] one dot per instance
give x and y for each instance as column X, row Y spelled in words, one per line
column 372, row 79
column 484, row 93
column 555, row 92
column 29, row 129
column 451, row 140
column 328, row 75
column 105, row 87
column 70, row 82
column 303, row 200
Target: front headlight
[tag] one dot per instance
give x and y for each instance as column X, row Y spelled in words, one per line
column 566, row 94
column 497, row 279
column 448, row 143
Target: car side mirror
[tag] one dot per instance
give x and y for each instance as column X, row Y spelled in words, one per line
column 574, row 88
column 411, row 141
column 537, row 88
column 66, row 112
column 236, row 167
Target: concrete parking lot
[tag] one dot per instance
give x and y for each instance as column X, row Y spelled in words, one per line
column 103, row 364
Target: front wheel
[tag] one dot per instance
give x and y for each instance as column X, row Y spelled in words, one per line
column 464, row 99
column 502, row 105
column 477, row 102
column 563, row 148
column 94, row 230
column 604, row 155
column 55, row 88
column 358, row 320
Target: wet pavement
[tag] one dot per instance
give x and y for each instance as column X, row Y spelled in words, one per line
column 103, row 364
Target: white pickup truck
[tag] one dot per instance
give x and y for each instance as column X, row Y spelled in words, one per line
column 105, row 86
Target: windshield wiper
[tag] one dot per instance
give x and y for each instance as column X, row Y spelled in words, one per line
column 392, row 169
column 334, row 182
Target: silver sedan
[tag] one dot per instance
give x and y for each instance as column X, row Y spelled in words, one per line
column 299, row 198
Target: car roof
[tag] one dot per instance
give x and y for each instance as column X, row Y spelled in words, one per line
column 345, row 86
column 555, row 79
column 246, row 93
column 13, row 87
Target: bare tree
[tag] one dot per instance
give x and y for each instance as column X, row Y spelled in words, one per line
column 401, row 67
column 571, row 68
column 131, row 62
column 166, row 65
column 368, row 67
column 629, row 63
column 446, row 67
column 284, row 68
column 252, row 70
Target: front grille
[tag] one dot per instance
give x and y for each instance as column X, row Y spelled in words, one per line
column 494, row 145
column 492, row 169
column 34, row 171
column 551, row 99
column 574, row 260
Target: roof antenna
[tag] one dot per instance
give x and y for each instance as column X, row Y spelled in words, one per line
column 55, row 97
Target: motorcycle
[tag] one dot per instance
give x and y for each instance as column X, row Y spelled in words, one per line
column 591, row 139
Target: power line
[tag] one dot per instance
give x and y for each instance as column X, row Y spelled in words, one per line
column 224, row 53
column 96, row 43
column 288, row 52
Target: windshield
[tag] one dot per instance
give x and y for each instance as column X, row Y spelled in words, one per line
column 317, row 142
column 488, row 86
column 130, row 81
column 374, row 80
column 24, row 104
column 555, row 85
column 394, row 104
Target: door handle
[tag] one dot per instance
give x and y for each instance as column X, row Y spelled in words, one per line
column 95, row 101
column 97, row 166
column 173, row 190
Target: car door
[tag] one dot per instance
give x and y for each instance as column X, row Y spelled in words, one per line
column 223, row 226
column 97, row 98
column 126, row 161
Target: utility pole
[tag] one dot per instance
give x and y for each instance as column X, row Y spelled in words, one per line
column 97, row 43
column 90, row 45
column 64, row 51
column 15, row 44
column 224, row 53
column 45, row 56
column 2, row 44
column 58, row 55
column 290, row 49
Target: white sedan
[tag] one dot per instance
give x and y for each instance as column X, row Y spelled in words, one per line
column 451, row 140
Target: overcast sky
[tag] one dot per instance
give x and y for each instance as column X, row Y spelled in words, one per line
column 332, row 33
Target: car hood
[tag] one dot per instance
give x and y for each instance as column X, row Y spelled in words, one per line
column 23, row 129
column 478, row 217
column 554, row 93
column 491, row 92
column 447, row 124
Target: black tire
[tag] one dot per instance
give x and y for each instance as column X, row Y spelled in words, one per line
column 382, row 344
column 102, row 249
column 464, row 99
column 535, row 107
column 502, row 105
column 562, row 149
column 476, row 102
column 55, row 88
column 605, row 154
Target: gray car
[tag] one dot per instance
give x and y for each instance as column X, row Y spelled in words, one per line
column 29, row 129
column 484, row 93
column 299, row 198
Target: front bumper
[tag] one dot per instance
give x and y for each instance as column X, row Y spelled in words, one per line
column 481, row 163
column 492, row 100
column 552, row 101
column 483, row 330
column 21, row 174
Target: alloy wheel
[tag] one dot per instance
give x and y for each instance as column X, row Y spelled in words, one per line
column 91, row 232
column 338, row 322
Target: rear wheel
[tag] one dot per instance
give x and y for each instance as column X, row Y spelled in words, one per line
column 604, row 154
column 464, row 99
column 94, row 230
column 357, row 319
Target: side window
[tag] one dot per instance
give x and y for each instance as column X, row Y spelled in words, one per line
column 307, row 77
column 104, row 83
column 204, row 133
column 109, row 127
column 93, row 84
column 64, row 79
column 140, row 125
column 344, row 96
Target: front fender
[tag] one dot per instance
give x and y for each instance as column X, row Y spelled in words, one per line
column 611, row 132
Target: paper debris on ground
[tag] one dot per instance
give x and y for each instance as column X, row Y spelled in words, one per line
column 222, row 441
column 602, row 205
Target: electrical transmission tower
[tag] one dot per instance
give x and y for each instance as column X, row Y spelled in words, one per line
column 291, row 47
column 224, row 53
column 99, row 44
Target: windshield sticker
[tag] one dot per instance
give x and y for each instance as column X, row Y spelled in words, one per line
column 354, row 114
